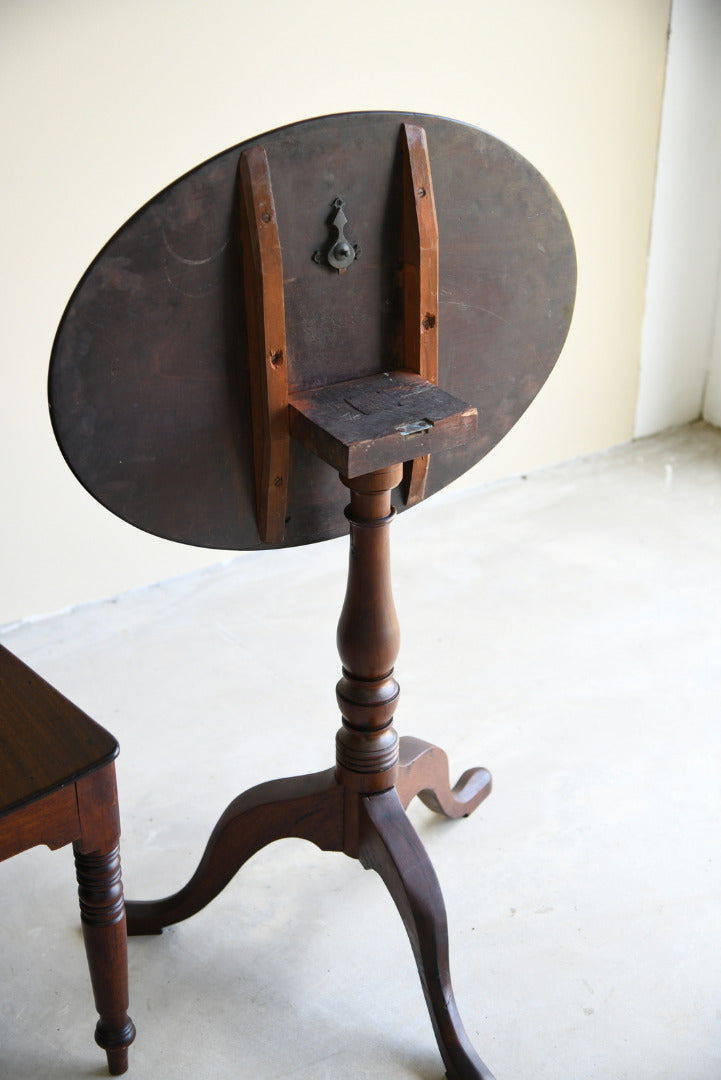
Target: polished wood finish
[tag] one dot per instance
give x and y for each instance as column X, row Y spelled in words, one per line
column 423, row 771
column 368, row 640
column 371, row 828
column 37, row 716
column 391, row 374
column 390, row 845
column 358, row 808
column 57, row 787
column 304, row 807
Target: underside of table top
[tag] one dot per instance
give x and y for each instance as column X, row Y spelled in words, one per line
column 149, row 383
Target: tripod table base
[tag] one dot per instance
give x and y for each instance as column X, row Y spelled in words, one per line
column 372, row 828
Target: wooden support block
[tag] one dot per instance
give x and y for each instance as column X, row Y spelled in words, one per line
column 378, row 421
column 267, row 355
column 420, row 279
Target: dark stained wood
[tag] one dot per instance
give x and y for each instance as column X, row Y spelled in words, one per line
column 367, row 424
column 423, row 771
column 149, row 382
column 57, row 787
column 51, row 820
column 168, row 397
column 358, row 807
column 420, row 280
column 102, row 913
column 390, row 845
column 368, row 640
column 267, row 351
column 304, row 807
column 46, row 742
column 372, row 828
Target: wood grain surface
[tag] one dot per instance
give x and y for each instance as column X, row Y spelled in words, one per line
column 149, row 385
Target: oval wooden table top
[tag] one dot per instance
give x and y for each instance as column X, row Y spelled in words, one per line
column 149, row 386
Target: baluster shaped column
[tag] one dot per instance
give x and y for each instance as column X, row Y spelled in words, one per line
column 102, row 911
column 368, row 640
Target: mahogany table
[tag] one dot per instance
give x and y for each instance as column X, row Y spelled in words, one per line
column 304, row 336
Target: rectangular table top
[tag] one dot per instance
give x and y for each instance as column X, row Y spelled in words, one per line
column 46, row 742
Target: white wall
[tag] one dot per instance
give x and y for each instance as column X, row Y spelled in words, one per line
column 681, row 351
column 105, row 103
column 712, row 398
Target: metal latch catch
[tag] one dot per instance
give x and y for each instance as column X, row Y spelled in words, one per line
column 340, row 252
column 415, row 427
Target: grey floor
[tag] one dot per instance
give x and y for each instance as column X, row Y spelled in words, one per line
column 561, row 629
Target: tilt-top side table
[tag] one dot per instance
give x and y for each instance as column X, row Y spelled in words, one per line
column 303, row 336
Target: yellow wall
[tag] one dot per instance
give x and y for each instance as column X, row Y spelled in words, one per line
column 106, row 103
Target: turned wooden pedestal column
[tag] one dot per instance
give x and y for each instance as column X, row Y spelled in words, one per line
column 358, row 807
column 369, row 763
column 368, row 295
column 368, row 640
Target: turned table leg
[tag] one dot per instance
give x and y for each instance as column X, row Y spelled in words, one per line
column 381, row 778
column 102, row 913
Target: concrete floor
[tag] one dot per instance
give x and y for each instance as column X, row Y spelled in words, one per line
column 561, row 629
